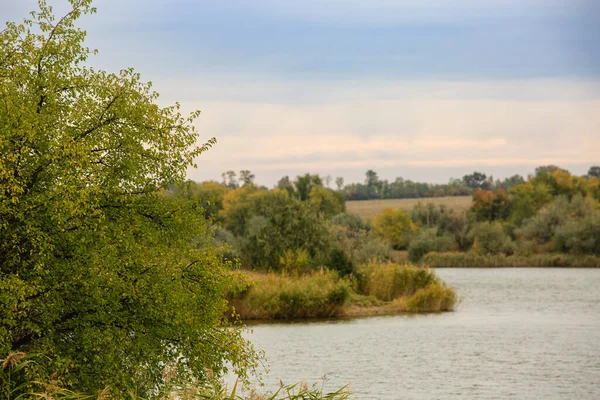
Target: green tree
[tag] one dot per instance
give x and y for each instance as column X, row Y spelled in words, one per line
column 287, row 185
column 209, row 195
column 544, row 169
column 246, row 177
column 373, row 184
column 476, row 180
column 326, row 201
column 490, row 238
column 594, row 171
column 268, row 223
column 305, row 183
column 230, row 179
column 339, row 183
column 109, row 278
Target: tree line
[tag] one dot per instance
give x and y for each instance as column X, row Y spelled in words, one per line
column 375, row 188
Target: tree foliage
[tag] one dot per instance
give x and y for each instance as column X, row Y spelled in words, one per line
column 100, row 271
column 396, row 226
column 267, row 223
column 594, row 171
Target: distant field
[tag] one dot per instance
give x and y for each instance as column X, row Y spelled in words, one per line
column 368, row 209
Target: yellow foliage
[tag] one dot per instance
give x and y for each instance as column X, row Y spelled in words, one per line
column 396, row 226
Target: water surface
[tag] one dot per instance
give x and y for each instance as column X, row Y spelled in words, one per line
column 517, row 333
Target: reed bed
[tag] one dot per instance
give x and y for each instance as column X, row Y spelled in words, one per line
column 473, row 260
column 286, row 296
column 405, row 288
column 375, row 289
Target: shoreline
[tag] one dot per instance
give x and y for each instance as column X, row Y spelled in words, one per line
column 474, row 261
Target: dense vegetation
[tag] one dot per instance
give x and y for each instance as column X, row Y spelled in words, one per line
column 105, row 281
column 552, row 219
column 114, row 273
column 515, row 221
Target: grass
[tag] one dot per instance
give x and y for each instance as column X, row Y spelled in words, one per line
column 377, row 289
column 288, row 296
column 473, row 260
column 368, row 209
column 405, row 288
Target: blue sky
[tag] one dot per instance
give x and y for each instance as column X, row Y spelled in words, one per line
column 424, row 89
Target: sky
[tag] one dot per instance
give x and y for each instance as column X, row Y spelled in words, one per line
column 423, row 89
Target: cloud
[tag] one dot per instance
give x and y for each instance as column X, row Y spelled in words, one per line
column 426, row 124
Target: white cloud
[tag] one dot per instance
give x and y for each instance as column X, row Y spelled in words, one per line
column 369, row 126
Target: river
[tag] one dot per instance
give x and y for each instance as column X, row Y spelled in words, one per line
column 517, row 333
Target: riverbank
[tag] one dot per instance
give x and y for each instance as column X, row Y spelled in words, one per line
column 473, row 260
column 376, row 289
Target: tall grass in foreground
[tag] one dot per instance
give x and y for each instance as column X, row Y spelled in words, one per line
column 474, row 260
column 17, row 383
column 282, row 296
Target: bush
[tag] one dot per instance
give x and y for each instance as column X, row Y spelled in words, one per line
column 435, row 297
column 390, row 281
column 428, row 241
column 458, row 226
column 339, row 262
column 565, row 225
column 358, row 246
column 489, row 238
column 396, row 226
column 351, row 221
column 579, row 236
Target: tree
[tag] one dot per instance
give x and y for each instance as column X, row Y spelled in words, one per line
column 396, row 226
column 326, row 201
column 246, row 177
column 287, row 185
column 208, row 195
column 544, row 169
column 373, row 184
column 230, row 179
column 267, row 223
column 371, row 178
column 305, row 183
column 594, row 171
column 105, row 276
column 489, row 205
column 476, row 180
column 339, row 182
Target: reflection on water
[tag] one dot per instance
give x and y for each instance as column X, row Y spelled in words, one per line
column 517, row 333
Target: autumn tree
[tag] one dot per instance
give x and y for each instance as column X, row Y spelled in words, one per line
column 396, row 226
column 490, row 205
column 105, row 277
